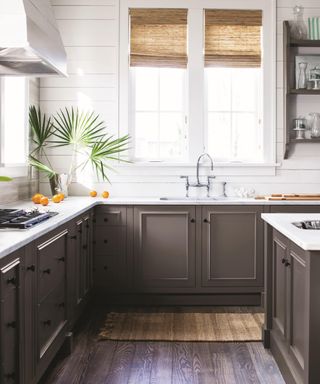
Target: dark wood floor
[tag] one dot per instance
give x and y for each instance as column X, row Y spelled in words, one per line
column 112, row 362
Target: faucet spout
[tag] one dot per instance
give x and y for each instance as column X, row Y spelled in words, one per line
column 198, row 165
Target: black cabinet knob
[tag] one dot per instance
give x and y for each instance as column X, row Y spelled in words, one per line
column 105, row 241
column 60, row 305
column 192, row 221
column 46, row 323
column 61, row 258
column 31, row 268
column 12, row 281
column 105, row 219
column 74, row 237
column 11, row 324
column 85, row 246
column 105, row 268
column 94, row 242
column 46, row 271
column 283, row 261
column 206, row 221
column 286, row 264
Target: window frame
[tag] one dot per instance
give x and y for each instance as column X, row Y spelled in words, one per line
column 16, row 169
column 196, row 74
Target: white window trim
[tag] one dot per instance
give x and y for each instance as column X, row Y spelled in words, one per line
column 196, row 86
column 14, row 170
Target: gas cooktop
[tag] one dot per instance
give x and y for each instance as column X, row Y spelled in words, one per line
column 23, row 219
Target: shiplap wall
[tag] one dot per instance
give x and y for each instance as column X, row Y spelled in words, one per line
column 90, row 32
column 22, row 187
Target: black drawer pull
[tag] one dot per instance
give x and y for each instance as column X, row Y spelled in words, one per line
column 192, row 221
column 286, row 264
column 12, row 324
column 79, row 230
column 87, row 226
column 46, row 323
column 85, row 246
column 12, row 281
column 74, row 237
column 105, row 268
column 61, row 258
column 283, row 261
column 31, row 268
column 46, row 271
column 105, row 241
column 60, row 305
column 206, row 221
column 106, row 220
column 10, row 376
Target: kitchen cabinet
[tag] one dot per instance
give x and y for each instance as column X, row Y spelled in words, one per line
column 10, row 319
column 232, row 246
column 292, row 310
column 294, row 208
column 112, row 229
column 164, row 248
column 296, row 99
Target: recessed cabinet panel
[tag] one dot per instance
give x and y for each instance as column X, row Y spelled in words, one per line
column 232, row 246
column 298, row 307
column 110, row 215
column 279, row 286
column 165, row 246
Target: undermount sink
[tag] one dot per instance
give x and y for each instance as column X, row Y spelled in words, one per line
column 308, row 224
column 184, row 198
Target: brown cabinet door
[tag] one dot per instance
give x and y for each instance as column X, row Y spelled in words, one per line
column 280, row 285
column 10, row 323
column 232, row 246
column 164, row 247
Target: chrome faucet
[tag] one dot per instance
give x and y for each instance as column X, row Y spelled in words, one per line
column 198, row 168
column 198, row 184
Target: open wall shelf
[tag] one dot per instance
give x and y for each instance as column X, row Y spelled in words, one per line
column 296, row 100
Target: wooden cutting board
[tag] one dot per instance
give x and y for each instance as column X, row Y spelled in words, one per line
column 290, row 197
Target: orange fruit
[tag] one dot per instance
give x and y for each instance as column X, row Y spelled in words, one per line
column 93, row 193
column 61, row 196
column 105, row 194
column 56, row 198
column 37, row 198
column 44, row 200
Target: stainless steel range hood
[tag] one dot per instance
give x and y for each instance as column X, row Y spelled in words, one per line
column 30, row 42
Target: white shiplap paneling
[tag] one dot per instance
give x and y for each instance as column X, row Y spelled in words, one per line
column 90, row 32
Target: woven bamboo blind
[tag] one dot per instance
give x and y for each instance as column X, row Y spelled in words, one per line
column 233, row 38
column 158, row 37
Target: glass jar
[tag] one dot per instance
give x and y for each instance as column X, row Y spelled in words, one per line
column 298, row 28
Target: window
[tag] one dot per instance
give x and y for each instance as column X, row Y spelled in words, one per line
column 199, row 79
column 158, row 78
column 233, row 81
column 13, row 114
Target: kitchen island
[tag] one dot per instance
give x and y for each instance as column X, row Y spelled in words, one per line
column 292, row 295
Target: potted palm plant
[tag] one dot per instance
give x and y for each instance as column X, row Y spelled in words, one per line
column 84, row 132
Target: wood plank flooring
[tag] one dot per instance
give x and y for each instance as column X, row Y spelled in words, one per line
column 112, row 362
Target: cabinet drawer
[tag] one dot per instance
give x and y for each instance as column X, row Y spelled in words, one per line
column 110, row 216
column 9, row 281
column 52, row 263
column 109, row 240
column 52, row 316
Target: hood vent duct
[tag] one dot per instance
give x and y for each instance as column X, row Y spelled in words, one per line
column 30, row 42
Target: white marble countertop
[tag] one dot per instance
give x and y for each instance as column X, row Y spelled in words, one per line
column 11, row 240
column 307, row 239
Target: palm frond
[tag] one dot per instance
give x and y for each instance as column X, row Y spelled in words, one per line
column 106, row 149
column 41, row 128
column 41, row 167
column 5, row 178
column 78, row 128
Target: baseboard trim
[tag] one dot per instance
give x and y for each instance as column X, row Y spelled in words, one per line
column 165, row 299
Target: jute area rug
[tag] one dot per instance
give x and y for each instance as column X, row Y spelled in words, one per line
column 136, row 326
